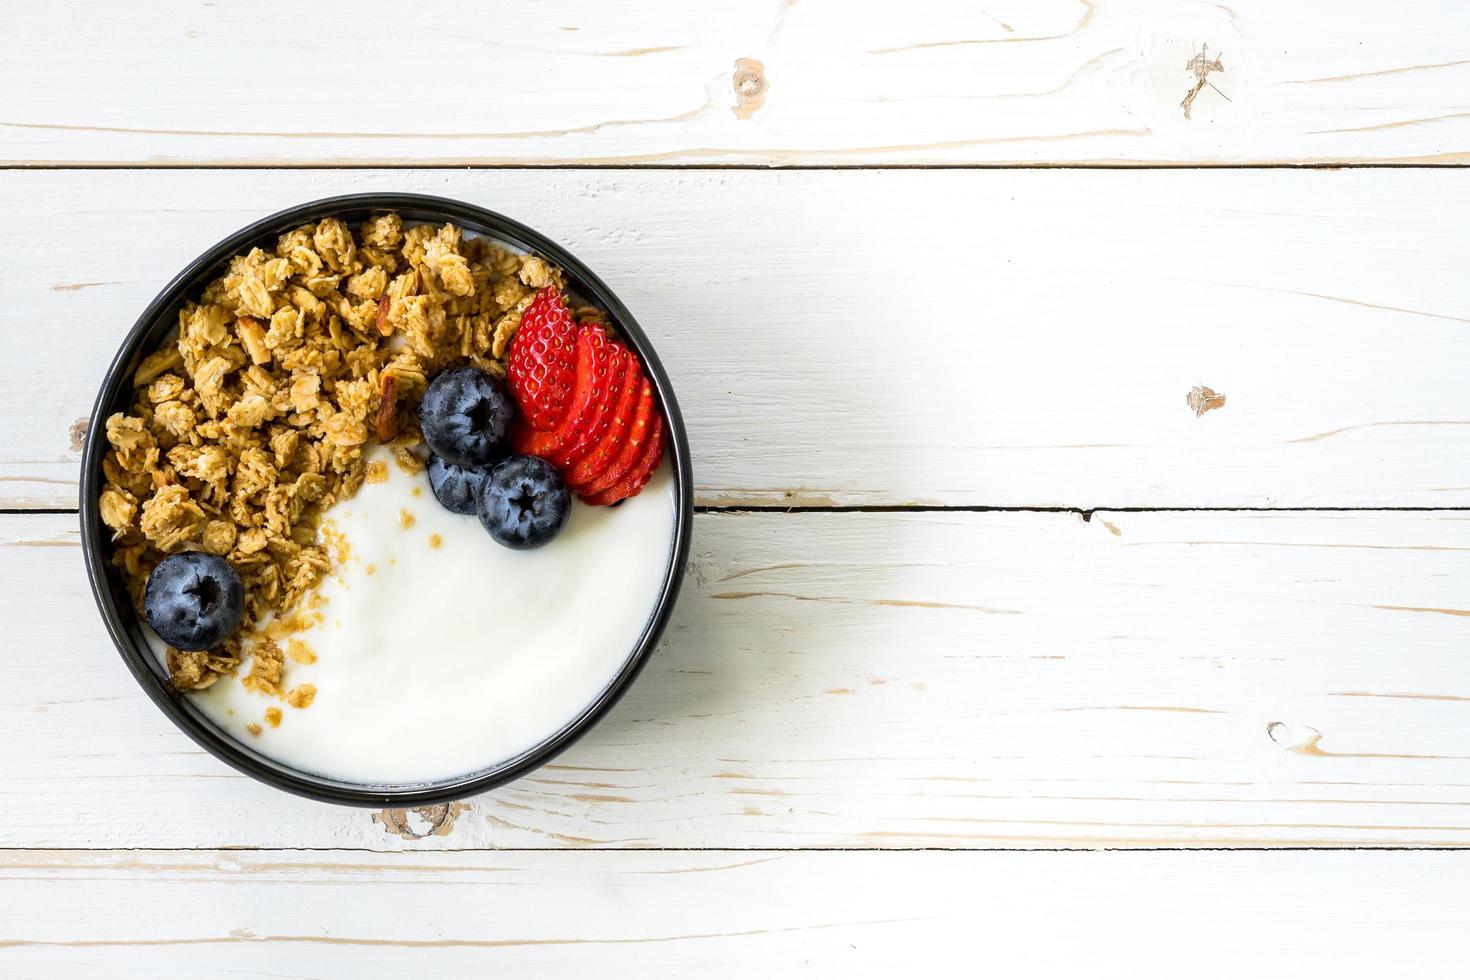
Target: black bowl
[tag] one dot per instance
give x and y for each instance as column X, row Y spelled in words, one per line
column 160, row 320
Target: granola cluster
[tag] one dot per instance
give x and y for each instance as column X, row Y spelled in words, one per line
column 244, row 432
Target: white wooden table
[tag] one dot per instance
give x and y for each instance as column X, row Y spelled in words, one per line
column 1004, row 646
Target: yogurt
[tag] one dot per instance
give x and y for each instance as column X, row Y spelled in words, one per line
column 440, row 653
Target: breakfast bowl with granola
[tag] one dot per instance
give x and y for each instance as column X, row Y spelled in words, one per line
column 386, row 500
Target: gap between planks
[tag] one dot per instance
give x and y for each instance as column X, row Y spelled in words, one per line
column 1078, row 849
column 61, row 166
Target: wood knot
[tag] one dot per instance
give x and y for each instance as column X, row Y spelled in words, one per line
column 750, row 87
column 1200, row 67
column 1201, row 400
column 420, row 822
column 78, row 434
column 1301, row 740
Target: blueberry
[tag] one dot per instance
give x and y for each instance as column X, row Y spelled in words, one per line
column 456, row 487
column 194, row 600
column 524, row 502
column 464, row 416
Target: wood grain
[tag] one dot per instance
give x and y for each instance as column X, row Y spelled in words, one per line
column 1009, row 338
column 865, row 680
column 313, row 914
column 777, row 83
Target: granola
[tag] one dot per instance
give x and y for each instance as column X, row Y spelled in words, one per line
column 252, row 424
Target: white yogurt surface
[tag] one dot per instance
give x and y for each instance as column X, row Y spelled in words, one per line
column 445, row 660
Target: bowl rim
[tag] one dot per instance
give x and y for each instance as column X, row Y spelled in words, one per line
column 142, row 664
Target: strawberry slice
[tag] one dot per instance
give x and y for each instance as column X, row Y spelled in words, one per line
column 595, row 461
column 541, row 370
column 532, row 442
column 628, row 450
column 590, row 429
column 642, row 472
column 593, row 368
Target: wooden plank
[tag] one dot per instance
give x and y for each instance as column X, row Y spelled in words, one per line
column 1013, row 338
column 882, row 680
column 778, row 83
column 142, row 914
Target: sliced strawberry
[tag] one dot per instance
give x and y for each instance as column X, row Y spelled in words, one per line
column 541, row 369
column 593, row 367
column 642, row 472
column 594, row 461
column 588, row 430
column 627, row 452
column 532, row 442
